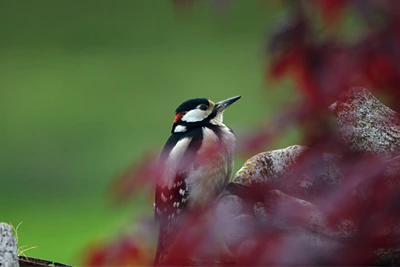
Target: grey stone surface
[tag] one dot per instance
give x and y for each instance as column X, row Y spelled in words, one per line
column 8, row 247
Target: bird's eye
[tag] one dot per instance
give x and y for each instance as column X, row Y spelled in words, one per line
column 203, row 107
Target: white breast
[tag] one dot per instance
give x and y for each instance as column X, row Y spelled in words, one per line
column 214, row 167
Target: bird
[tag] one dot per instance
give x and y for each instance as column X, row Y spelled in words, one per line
column 197, row 162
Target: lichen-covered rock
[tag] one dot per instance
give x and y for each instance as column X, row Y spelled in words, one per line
column 387, row 256
column 392, row 173
column 267, row 167
column 318, row 173
column 237, row 230
column 228, row 207
column 331, row 173
column 304, row 206
column 247, row 247
column 293, row 170
column 304, row 247
column 365, row 124
column 260, row 212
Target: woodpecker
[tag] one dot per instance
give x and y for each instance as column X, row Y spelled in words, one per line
column 197, row 162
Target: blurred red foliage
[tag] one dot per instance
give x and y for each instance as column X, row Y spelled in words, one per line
column 141, row 176
column 323, row 68
column 312, row 49
column 129, row 249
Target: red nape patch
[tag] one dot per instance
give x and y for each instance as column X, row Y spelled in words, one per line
column 178, row 117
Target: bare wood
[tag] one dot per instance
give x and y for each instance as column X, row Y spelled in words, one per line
column 8, row 247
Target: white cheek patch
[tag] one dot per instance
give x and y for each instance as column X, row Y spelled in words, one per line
column 195, row 115
column 180, row 129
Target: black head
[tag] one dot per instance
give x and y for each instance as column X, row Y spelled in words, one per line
column 198, row 112
column 192, row 104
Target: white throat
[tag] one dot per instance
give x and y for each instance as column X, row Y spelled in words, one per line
column 217, row 120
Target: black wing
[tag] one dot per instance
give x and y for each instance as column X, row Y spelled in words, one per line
column 166, row 198
column 170, row 202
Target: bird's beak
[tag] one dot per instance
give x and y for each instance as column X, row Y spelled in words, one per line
column 220, row 106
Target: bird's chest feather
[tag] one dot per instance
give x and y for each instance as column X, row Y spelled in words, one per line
column 212, row 168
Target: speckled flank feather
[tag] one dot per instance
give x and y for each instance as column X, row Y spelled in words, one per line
column 170, row 205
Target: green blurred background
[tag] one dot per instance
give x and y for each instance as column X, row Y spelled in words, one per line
column 87, row 87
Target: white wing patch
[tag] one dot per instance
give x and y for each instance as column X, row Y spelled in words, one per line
column 180, row 129
column 171, row 163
